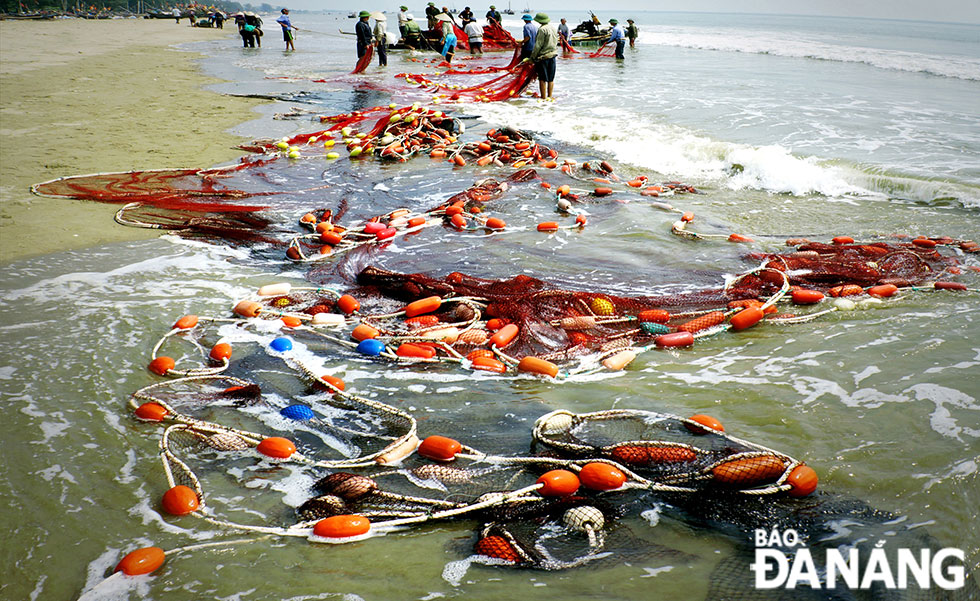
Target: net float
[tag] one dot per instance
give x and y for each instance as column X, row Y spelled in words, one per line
column 602, row 191
column 247, row 308
column 749, row 471
column 342, row 526
column 281, row 344
column 328, row 319
column 291, row 322
column 674, row 339
column 924, row 243
column 447, row 335
column 548, row 226
column 388, row 232
column 558, row 483
column 275, row 289
column 551, row 164
column 331, row 238
column 619, row 360
column 883, row 290
column 364, row 332
column 438, row 153
column 459, row 221
column 459, row 161
column 496, row 547
column 605, row 166
column 630, row 454
column 949, row 286
column 687, row 217
column 422, row 321
column 495, row 224
column 703, row 322
column 276, row 447
column 180, row 500
column 418, row 351
column 581, row 220
column 300, row 413
column 601, row 180
column 670, row 455
column 635, row 183
column 416, row 221
column 601, row 476
column 846, row 290
column 141, row 561
column 151, row 412
column 653, row 315
column 843, row 240
column 480, row 352
column 490, row 364
column 186, row 322
column 322, row 228
column 293, row 254
column 535, row 365
column 333, row 381
column 504, row 335
column 453, row 210
column 740, row 238
column 802, row 481
column 844, row 304
column 373, row 227
column 563, row 190
column 308, row 218
column 705, row 420
column 806, row 297
column 399, row 452
column 371, row 347
column 348, row 304
column 746, row 318
column 439, row 448
column 161, row 365
column 220, row 352
column 496, row 323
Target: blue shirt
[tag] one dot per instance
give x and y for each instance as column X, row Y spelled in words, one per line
column 618, row 33
column 284, row 21
column 530, row 31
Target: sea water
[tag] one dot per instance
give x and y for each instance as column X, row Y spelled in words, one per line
column 789, row 126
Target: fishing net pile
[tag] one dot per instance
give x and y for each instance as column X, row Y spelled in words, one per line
column 496, row 37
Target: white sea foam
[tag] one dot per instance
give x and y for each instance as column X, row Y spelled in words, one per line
column 795, row 46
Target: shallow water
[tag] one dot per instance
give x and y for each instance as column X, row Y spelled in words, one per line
column 882, row 402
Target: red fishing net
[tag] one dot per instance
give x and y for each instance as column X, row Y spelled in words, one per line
column 364, row 61
column 607, row 50
column 496, row 37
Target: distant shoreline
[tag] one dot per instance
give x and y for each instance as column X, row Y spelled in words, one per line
column 85, row 96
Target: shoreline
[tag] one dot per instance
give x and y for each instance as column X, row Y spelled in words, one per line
column 82, row 96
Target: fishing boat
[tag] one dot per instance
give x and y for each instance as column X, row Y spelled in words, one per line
column 508, row 10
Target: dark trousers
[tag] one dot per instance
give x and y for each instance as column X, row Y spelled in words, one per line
column 383, row 54
column 620, row 44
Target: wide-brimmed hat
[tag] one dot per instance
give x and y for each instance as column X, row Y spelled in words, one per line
column 613, row 22
column 402, row 8
column 527, row 17
column 443, row 17
column 542, row 18
column 363, row 14
column 378, row 16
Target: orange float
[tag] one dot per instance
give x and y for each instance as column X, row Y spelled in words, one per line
column 277, row 447
column 180, row 500
column 883, row 290
column 949, row 286
column 504, row 335
column 603, row 191
column 332, row 238
column 564, row 190
column 670, row 455
column 161, row 365
column 186, row 322
column 495, row 224
column 220, row 352
column 843, row 240
column 740, row 238
column 703, row 322
column 348, row 304
column 497, row 547
column 534, row 365
column 846, row 290
column 654, row 316
column 334, row 381
column 806, row 297
column 141, row 561
column 151, row 412
column 924, row 243
column 248, row 308
column 439, row 448
column 746, row 318
column 453, row 210
column 417, row 351
column 459, row 221
column 291, row 322
column 548, row 226
column 416, row 221
column 363, row 332
column 749, row 471
column 558, row 483
column 674, row 339
column 422, row 306
column 342, row 526
column 601, row 476
column 422, row 321
column 802, row 480
column 705, row 420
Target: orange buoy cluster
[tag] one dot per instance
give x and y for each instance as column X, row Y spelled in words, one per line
column 509, row 147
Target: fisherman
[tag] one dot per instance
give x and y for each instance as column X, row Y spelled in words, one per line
column 544, row 54
column 530, row 32
column 430, row 13
column 287, row 29
column 619, row 36
column 176, row 13
column 466, row 16
column 492, row 15
column 363, row 32
column 563, row 30
column 474, row 34
column 255, row 21
column 632, row 32
column 402, row 18
column 219, row 20
column 381, row 38
column 448, row 40
column 413, row 33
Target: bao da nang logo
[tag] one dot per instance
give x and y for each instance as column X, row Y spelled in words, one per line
column 781, row 560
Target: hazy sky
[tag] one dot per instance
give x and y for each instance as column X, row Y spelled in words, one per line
column 954, row 11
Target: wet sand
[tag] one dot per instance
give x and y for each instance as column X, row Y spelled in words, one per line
column 82, row 96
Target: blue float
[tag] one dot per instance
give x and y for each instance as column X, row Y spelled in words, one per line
column 281, row 344
column 297, row 412
column 371, row 347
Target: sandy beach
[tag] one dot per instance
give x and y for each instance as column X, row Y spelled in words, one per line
column 81, row 96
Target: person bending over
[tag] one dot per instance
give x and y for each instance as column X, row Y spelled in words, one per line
column 619, row 36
